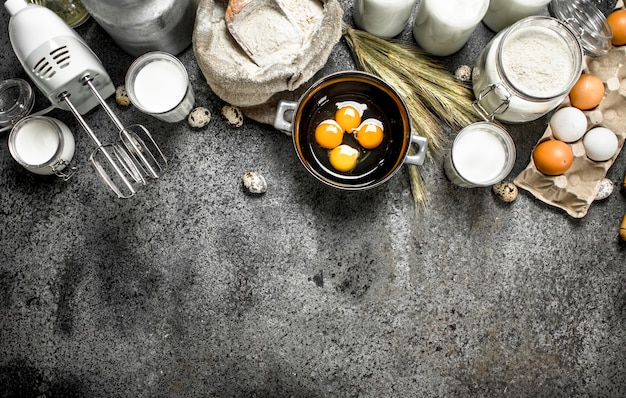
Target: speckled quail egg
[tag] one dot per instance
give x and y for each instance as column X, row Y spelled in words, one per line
column 254, row 183
column 233, row 115
column 463, row 73
column 199, row 117
column 505, row 191
column 605, row 190
column 121, row 96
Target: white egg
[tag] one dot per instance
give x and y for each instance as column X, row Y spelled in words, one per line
column 600, row 144
column 568, row 124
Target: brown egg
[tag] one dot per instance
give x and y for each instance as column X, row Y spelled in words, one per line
column 587, row 93
column 553, row 157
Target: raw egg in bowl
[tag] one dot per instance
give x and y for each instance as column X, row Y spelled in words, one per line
column 376, row 124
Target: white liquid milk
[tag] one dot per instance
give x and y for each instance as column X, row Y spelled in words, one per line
column 160, row 86
column 383, row 18
column 459, row 14
column 479, row 156
column 443, row 27
column 502, row 13
column 36, row 142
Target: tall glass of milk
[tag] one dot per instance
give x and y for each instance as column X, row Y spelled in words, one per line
column 43, row 145
column 482, row 154
column 502, row 13
column 442, row 27
column 157, row 84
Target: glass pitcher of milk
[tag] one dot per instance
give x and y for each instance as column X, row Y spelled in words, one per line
column 502, row 13
column 443, row 27
column 382, row 18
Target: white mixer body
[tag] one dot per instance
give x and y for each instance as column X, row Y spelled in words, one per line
column 55, row 57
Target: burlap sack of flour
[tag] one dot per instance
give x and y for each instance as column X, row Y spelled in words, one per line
column 286, row 42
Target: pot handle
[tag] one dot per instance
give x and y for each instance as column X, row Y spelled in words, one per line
column 422, row 145
column 283, row 111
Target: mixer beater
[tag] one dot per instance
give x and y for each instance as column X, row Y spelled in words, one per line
column 72, row 77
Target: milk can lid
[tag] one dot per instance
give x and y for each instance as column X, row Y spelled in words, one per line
column 587, row 22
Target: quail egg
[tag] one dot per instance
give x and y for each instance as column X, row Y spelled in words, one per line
column 121, row 96
column 505, row 191
column 605, row 190
column 254, row 183
column 199, row 117
column 233, row 115
column 463, row 73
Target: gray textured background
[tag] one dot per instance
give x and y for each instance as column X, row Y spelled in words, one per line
column 194, row 289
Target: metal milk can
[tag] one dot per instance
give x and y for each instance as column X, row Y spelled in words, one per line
column 140, row 26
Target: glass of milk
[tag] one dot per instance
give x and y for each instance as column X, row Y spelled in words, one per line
column 442, row 27
column 502, row 13
column 482, row 154
column 157, row 84
column 43, row 145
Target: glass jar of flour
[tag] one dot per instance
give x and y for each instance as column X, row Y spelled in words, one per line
column 529, row 68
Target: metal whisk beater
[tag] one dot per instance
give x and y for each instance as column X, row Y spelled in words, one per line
column 126, row 165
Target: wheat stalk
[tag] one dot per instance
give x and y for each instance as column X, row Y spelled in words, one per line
column 432, row 95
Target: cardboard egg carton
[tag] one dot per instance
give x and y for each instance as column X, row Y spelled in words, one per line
column 576, row 189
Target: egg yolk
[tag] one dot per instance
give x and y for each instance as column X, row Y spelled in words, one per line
column 370, row 134
column 348, row 118
column 344, row 158
column 328, row 134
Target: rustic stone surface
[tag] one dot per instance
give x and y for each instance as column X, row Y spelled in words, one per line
column 194, row 289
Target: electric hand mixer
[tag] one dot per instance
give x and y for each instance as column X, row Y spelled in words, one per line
column 72, row 77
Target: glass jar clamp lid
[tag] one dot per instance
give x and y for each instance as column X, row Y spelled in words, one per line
column 587, row 22
column 16, row 101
